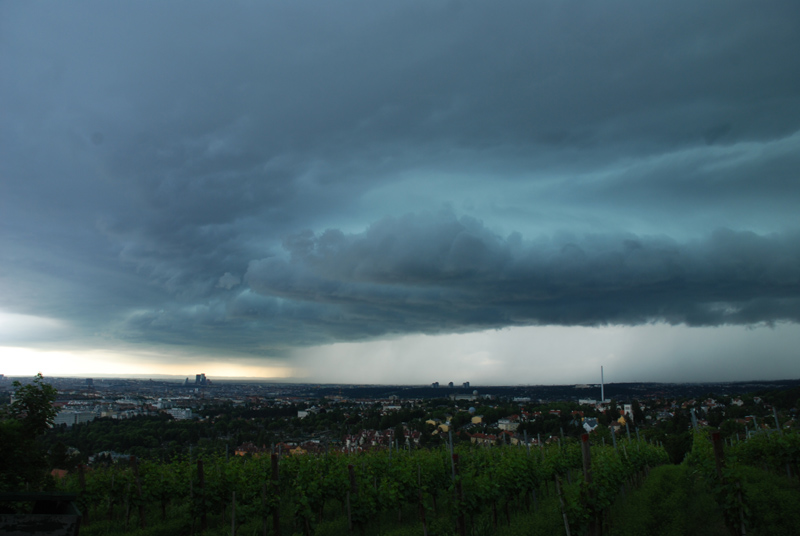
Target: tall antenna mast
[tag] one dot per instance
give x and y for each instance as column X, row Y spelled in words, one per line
column 602, row 386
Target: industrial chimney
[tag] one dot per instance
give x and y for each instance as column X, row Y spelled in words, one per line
column 602, row 386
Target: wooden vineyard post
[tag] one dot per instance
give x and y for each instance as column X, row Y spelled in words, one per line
column 135, row 464
column 233, row 513
column 82, row 482
column 421, row 502
column 777, row 423
column 587, row 458
column 452, row 463
column 191, row 503
column 351, row 493
column 719, row 459
column 201, row 484
column 563, row 510
column 111, row 500
column 461, row 526
column 264, row 509
column 718, row 453
column 276, row 516
column 586, row 452
column 127, row 505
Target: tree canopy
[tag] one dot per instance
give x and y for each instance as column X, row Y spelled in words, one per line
column 23, row 462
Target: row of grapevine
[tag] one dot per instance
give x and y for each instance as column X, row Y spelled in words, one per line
column 723, row 479
column 607, row 472
column 778, row 452
column 300, row 492
column 736, row 473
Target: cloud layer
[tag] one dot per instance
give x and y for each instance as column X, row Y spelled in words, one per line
column 251, row 179
column 441, row 273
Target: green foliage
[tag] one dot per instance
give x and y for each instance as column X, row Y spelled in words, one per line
column 313, row 492
column 33, row 406
column 671, row 502
column 747, row 492
column 23, row 461
column 773, row 501
column 775, row 451
column 610, row 470
column 677, row 446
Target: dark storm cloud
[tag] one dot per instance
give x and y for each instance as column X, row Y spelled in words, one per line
column 157, row 163
column 441, row 272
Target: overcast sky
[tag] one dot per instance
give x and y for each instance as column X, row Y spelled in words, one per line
column 411, row 191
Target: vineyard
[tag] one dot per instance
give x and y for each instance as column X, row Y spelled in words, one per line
column 753, row 482
column 570, row 487
column 566, row 487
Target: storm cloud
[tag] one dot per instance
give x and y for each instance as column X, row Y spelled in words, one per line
column 255, row 179
column 443, row 273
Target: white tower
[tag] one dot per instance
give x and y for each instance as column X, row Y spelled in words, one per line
column 602, row 386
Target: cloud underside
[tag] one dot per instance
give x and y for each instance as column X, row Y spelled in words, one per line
column 438, row 273
column 458, row 167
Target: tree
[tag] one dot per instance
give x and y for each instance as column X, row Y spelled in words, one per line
column 638, row 414
column 33, row 405
column 613, row 410
column 23, row 461
column 400, row 435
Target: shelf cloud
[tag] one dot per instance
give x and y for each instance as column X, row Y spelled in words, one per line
column 256, row 180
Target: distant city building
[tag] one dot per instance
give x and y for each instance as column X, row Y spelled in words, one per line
column 628, row 411
column 180, row 414
column 109, row 454
column 589, row 424
column 200, row 379
column 69, row 417
column 435, row 385
column 465, row 385
column 89, row 382
column 450, row 385
column 507, row 424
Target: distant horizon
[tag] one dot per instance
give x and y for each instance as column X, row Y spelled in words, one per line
column 180, row 378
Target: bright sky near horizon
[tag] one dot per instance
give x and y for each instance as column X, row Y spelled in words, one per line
column 401, row 192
